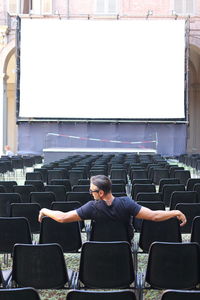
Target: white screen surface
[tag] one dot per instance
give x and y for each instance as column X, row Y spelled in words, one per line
column 119, row 69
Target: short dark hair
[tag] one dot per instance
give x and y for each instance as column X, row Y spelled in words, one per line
column 102, row 182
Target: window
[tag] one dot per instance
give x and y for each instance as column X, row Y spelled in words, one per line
column 27, row 6
column 184, row 7
column 106, row 6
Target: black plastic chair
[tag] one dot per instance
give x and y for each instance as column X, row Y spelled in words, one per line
column 164, row 181
column 29, row 211
column 19, row 294
column 82, row 197
column 106, row 265
column 84, row 181
column 12, row 231
column 100, row 295
column 39, row 266
column 118, row 188
column 43, row 172
column 142, row 188
column 168, row 189
column 8, row 185
column 6, row 199
column 159, row 173
column 139, row 174
column 141, row 181
column 64, row 182
column 80, row 188
column 75, row 175
column 2, row 189
column 182, row 175
column 196, row 188
column 58, row 190
column 34, row 176
column 183, row 197
column 191, row 182
column 56, row 174
column 67, row 235
column 44, row 199
column 172, row 266
column 38, row 184
column 24, row 191
column 152, row 196
column 195, row 231
column 190, row 210
column 180, row 295
column 118, row 174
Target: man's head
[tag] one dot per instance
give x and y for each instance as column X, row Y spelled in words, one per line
column 100, row 186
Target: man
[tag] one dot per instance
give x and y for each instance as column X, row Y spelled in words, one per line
column 106, row 206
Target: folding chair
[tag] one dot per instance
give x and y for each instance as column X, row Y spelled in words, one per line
column 58, row 190
column 191, row 182
column 151, row 196
column 100, row 295
column 64, row 182
column 183, row 197
column 191, row 210
column 24, row 191
column 168, row 189
column 8, row 185
column 164, row 181
column 6, row 199
column 38, row 184
column 44, row 199
column 142, row 188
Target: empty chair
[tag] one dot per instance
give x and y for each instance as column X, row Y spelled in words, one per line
column 65, row 206
column 195, row 231
column 168, row 189
column 102, row 266
column 6, row 199
column 172, row 169
column 118, row 181
column 41, row 266
column 141, row 181
column 33, row 176
column 97, row 171
column 100, row 295
column 165, row 231
column 160, row 173
column 183, row 197
column 142, row 188
column 118, row 174
column 24, row 191
column 2, row 189
column 164, row 181
column 56, row 174
column 12, row 231
column 118, row 188
column 190, row 210
column 64, row 182
column 42, row 171
column 82, row 197
column 20, row 293
column 108, row 231
column 80, row 188
column 8, row 185
column 152, row 196
column 38, row 184
column 173, row 265
column 29, row 211
column 44, row 199
column 139, row 174
column 84, row 181
column 75, row 175
column 180, row 295
column 182, row 175
column 58, row 190
column 67, row 235
column 191, row 182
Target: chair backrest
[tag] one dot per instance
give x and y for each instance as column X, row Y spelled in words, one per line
column 84, row 181
column 33, row 176
column 106, row 265
column 118, row 174
column 38, row 184
column 139, row 174
column 19, row 293
column 191, row 182
column 82, row 197
column 75, row 175
column 56, row 174
column 67, row 235
column 168, row 189
column 173, row 265
column 6, row 199
column 151, row 196
column 195, row 231
column 43, row 171
column 65, row 206
column 142, row 188
column 39, row 266
column 24, row 191
column 108, row 231
column 118, row 188
column 160, row 173
column 80, row 188
column 64, row 182
column 141, row 181
column 164, row 181
column 29, row 211
column 182, row 175
column 58, row 190
column 44, row 199
column 165, row 231
column 196, row 188
column 101, row 295
column 180, row 295
column 191, row 210
column 8, row 185
column 2, row 189
column 12, row 231
column 183, row 197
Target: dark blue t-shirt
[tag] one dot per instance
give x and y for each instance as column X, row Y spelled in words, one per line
column 122, row 209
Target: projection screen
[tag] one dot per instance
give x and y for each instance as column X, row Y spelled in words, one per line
column 102, row 69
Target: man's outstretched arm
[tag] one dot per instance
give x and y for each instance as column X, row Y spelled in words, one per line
column 161, row 215
column 59, row 216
